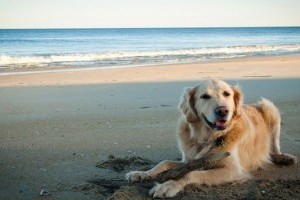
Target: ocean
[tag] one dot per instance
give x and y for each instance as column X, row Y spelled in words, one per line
column 23, row 49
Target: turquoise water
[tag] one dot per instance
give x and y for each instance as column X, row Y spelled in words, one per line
column 141, row 46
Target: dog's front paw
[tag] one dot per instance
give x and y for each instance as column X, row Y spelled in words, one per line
column 137, row 176
column 166, row 190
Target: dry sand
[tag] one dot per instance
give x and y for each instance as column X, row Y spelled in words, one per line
column 55, row 127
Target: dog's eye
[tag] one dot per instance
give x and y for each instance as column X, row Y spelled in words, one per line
column 226, row 94
column 205, row 96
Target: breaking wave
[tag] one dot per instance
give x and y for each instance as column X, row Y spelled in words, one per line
column 148, row 57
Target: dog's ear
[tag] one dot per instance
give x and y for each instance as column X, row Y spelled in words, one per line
column 238, row 100
column 187, row 105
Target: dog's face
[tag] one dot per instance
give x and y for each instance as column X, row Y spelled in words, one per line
column 214, row 102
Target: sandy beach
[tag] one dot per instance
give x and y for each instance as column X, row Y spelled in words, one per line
column 56, row 126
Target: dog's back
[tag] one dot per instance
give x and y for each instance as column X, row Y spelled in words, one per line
column 260, row 143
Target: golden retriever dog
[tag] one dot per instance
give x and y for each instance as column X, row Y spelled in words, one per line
column 211, row 110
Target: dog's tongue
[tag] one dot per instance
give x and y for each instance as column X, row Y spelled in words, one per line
column 220, row 123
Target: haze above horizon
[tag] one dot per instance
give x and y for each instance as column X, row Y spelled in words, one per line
column 147, row 13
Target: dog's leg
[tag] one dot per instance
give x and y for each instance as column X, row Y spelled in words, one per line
column 135, row 176
column 185, row 141
column 210, row 177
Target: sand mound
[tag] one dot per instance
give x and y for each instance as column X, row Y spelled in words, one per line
column 120, row 164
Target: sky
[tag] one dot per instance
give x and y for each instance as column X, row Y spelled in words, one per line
column 147, row 13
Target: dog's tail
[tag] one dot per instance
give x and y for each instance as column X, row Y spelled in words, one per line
column 272, row 117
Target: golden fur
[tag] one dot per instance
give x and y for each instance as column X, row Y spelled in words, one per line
column 251, row 135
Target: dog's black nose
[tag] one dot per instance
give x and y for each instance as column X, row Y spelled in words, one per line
column 221, row 111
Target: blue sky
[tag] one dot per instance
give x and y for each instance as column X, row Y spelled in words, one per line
column 147, row 13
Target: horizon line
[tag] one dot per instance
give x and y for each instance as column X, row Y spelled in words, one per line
column 175, row 27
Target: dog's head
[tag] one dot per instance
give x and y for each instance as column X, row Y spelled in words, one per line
column 214, row 102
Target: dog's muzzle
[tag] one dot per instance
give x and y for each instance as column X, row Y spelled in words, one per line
column 218, row 125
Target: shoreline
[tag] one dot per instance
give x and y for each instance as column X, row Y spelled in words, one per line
column 237, row 68
column 32, row 69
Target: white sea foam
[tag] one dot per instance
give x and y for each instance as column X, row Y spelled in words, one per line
column 147, row 56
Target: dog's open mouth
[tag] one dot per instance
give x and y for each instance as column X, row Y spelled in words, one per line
column 221, row 124
column 218, row 125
